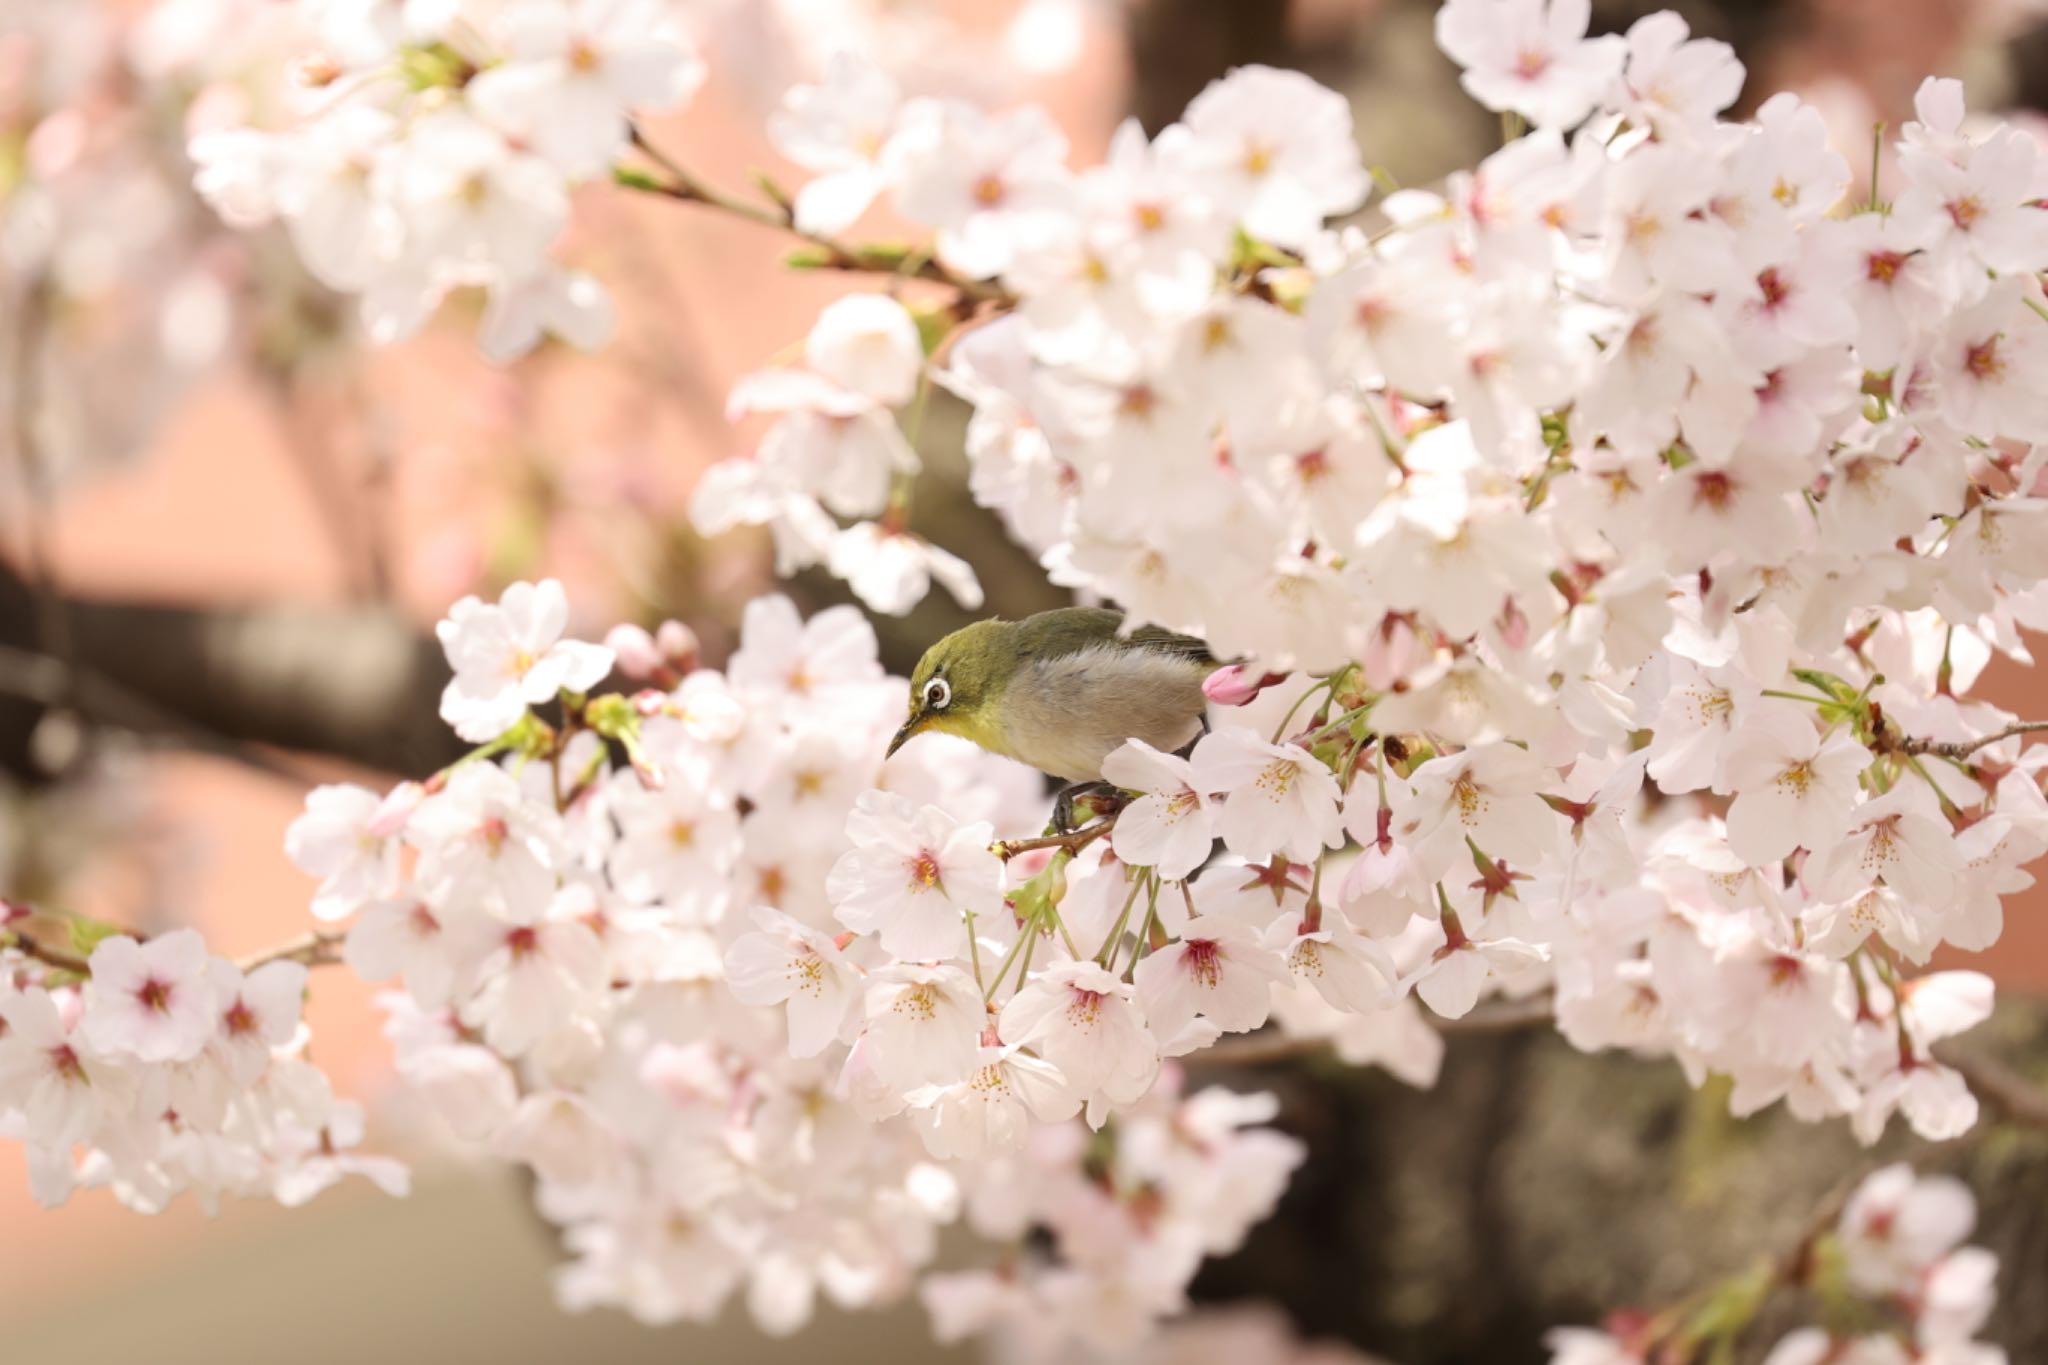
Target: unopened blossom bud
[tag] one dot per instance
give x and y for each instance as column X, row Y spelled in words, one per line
column 1234, row 685
column 678, row 645
column 639, row 658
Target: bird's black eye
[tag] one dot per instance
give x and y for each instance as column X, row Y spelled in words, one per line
column 937, row 694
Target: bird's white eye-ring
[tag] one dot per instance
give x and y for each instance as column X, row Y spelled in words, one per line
column 937, row 694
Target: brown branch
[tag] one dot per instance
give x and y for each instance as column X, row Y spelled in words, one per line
column 1263, row 1048
column 360, row 684
column 1999, row 1085
column 320, row 948
column 1073, row 841
column 833, row 253
column 29, row 946
column 1959, row 750
column 39, row 678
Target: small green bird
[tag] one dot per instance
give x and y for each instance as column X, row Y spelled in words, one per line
column 1060, row 690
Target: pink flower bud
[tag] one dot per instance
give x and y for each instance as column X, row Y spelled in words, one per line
column 678, row 645
column 12, row 912
column 638, row 656
column 1232, row 685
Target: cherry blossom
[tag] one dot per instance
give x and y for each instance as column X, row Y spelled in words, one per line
column 511, row 655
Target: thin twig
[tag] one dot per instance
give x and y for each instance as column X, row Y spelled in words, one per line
column 1073, row 841
column 837, row 255
column 57, row 958
column 1499, row 1016
column 1962, row 749
column 320, row 948
column 2006, row 1090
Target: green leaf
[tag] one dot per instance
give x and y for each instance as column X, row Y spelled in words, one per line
column 633, row 178
column 88, row 934
column 1828, row 683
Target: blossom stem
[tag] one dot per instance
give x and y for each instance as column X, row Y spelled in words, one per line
column 974, row 950
column 834, row 254
column 1112, row 942
column 1288, row 719
column 1024, row 932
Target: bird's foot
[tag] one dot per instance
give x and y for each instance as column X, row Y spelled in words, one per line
column 1101, row 798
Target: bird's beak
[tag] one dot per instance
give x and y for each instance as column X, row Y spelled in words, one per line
column 909, row 729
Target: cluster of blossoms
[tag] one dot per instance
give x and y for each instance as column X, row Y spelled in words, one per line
column 108, row 262
column 1893, row 1263
column 156, row 1068
column 1637, row 511
column 439, row 147
column 592, row 960
column 1608, row 542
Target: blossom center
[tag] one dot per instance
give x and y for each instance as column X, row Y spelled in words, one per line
column 1883, row 266
column 924, row 871
column 1202, row 961
column 919, row 1003
column 65, row 1065
column 1531, row 62
column 1276, row 779
column 1085, row 1008
column 989, row 191
column 154, row 995
column 1775, row 290
column 240, row 1020
column 1797, row 779
column 1982, row 360
column 682, row 833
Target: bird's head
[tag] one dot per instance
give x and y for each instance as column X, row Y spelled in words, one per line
column 958, row 685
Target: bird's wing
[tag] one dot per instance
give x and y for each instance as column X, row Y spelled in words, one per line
column 1069, row 630
column 1163, row 641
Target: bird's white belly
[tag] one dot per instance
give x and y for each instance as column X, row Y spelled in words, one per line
column 1064, row 716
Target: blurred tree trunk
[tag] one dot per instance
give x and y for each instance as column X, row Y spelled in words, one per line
column 1537, row 1186
column 358, row 684
column 1179, row 46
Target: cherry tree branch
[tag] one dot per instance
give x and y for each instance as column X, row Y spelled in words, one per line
column 2006, row 1090
column 1962, row 749
column 356, row 683
column 833, row 254
column 319, row 948
column 56, row 958
column 1073, row 841
column 1498, row 1016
